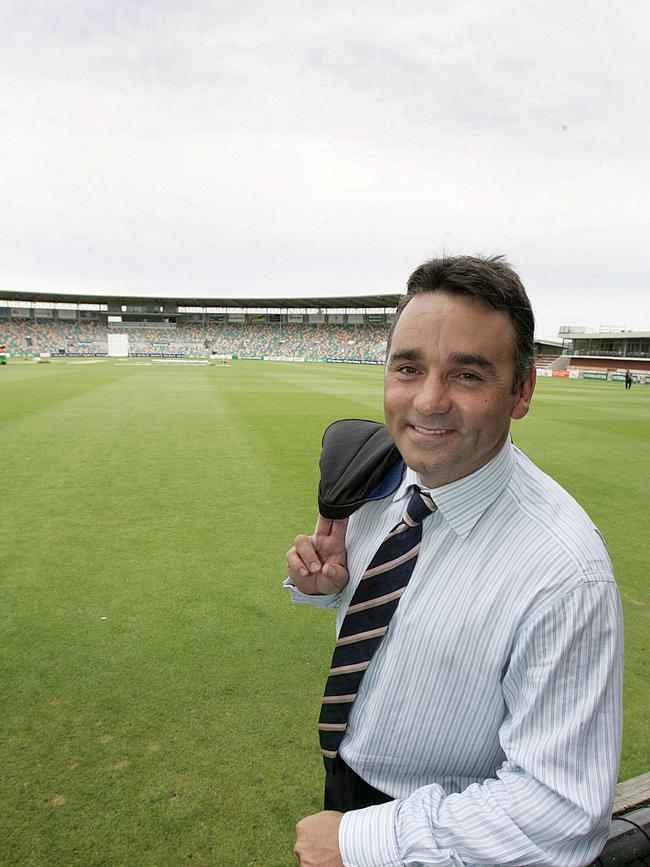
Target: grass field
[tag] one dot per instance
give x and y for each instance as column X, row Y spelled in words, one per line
column 159, row 692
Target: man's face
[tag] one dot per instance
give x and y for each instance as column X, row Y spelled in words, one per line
column 448, row 395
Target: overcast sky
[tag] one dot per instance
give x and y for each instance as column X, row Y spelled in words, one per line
column 289, row 147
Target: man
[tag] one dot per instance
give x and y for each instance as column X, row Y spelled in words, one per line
column 486, row 729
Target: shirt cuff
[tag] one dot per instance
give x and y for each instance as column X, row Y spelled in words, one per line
column 298, row 598
column 367, row 837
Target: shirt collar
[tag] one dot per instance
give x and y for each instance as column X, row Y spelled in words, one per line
column 462, row 502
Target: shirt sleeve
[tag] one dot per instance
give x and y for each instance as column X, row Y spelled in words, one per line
column 550, row 802
column 332, row 600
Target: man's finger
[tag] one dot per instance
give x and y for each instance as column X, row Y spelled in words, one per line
column 338, row 529
column 295, row 564
column 335, row 571
column 307, row 553
column 334, row 528
column 323, row 526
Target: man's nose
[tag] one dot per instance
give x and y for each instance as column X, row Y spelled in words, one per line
column 433, row 397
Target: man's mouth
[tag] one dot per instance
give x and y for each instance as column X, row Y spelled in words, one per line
column 431, row 431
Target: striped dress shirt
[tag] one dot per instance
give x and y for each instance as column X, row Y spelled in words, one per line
column 491, row 711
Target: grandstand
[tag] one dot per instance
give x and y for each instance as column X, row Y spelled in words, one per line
column 547, row 352
column 335, row 329
column 340, row 329
column 311, row 342
column 605, row 354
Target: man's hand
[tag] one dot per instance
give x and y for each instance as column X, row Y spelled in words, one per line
column 318, row 563
column 317, row 840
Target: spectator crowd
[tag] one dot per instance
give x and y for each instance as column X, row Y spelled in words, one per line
column 313, row 342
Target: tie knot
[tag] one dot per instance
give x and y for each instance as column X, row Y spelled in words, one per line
column 419, row 506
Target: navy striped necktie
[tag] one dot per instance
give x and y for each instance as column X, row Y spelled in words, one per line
column 366, row 621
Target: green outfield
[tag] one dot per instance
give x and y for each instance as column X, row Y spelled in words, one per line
column 159, row 692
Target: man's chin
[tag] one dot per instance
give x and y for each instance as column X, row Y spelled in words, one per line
column 424, row 466
column 426, row 449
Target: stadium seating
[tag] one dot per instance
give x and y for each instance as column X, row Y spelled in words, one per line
column 25, row 337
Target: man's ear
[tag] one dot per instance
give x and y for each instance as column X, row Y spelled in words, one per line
column 524, row 395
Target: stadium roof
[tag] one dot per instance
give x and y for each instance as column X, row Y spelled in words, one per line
column 348, row 301
column 603, row 335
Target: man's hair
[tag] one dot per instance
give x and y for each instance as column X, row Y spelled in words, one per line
column 491, row 281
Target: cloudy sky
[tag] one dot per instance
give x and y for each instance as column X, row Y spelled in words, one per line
column 206, row 148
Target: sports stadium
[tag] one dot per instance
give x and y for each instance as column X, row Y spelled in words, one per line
column 160, row 455
column 343, row 329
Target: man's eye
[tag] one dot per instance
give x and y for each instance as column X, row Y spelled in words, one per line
column 467, row 376
column 408, row 369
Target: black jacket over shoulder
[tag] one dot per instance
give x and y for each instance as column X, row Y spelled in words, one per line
column 359, row 462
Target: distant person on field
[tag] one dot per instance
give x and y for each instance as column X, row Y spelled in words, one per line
column 486, row 725
column 628, row 379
